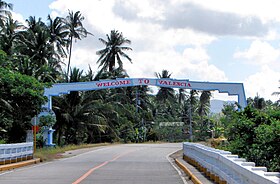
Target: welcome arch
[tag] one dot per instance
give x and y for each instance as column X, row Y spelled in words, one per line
column 222, row 87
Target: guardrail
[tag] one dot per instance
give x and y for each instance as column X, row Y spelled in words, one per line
column 223, row 167
column 11, row 153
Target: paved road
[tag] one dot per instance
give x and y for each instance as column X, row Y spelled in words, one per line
column 119, row 164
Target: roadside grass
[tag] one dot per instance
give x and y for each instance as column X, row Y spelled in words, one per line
column 48, row 154
column 51, row 153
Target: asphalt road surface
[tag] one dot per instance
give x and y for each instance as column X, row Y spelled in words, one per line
column 118, row 164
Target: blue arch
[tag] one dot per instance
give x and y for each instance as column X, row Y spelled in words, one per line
column 222, row 87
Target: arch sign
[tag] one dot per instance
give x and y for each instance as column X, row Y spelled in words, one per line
column 222, row 87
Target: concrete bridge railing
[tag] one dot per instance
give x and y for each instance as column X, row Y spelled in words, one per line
column 11, row 153
column 225, row 167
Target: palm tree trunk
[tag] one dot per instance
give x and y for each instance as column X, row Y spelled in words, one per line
column 112, row 65
column 70, row 53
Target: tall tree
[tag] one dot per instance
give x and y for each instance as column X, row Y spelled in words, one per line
column 258, row 102
column 58, row 34
column 37, row 55
column 203, row 125
column 164, row 93
column 204, row 103
column 21, row 98
column 85, row 116
column 35, row 25
column 116, row 73
column 182, row 97
column 76, row 31
column 5, row 11
column 9, row 34
column 113, row 51
column 192, row 102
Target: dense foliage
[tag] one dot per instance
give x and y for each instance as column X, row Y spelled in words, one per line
column 21, row 98
column 254, row 134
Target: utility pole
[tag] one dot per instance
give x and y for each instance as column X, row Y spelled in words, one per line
column 143, row 127
column 34, row 127
column 191, row 136
column 136, row 111
column 136, row 103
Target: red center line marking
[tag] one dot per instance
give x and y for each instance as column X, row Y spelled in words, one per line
column 97, row 167
column 89, row 172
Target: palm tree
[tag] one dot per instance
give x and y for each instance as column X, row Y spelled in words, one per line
column 82, row 115
column 183, row 105
column 204, row 103
column 4, row 11
column 58, row 34
column 37, row 56
column 165, row 94
column 192, row 104
column 76, row 31
column 202, row 110
column 113, row 51
column 182, row 96
column 257, row 102
column 78, row 118
column 116, row 73
column 8, row 34
column 34, row 25
column 143, row 98
column 167, row 108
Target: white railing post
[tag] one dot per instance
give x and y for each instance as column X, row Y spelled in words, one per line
column 10, row 153
column 228, row 167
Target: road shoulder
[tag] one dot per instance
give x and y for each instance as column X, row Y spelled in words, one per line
column 193, row 175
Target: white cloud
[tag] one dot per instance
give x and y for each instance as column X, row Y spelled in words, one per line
column 154, row 47
column 141, row 9
column 197, row 17
column 266, row 10
column 98, row 14
column 180, row 49
column 18, row 17
column 188, row 37
column 192, row 64
column 259, row 53
column 224, row 96
column 263, row 83
column 196, row 55
column 272, row 35
column 198, row 67
column 82, row 58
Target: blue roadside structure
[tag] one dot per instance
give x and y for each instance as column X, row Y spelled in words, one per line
column 223, row 87
column 236, row 89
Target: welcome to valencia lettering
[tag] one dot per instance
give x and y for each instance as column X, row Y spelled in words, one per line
column 113, row 83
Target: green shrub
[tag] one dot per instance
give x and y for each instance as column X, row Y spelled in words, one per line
column 254, row 135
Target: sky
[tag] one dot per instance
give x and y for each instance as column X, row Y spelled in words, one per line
column 217, row 40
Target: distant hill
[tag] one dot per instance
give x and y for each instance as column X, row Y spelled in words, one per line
column 217, row 105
